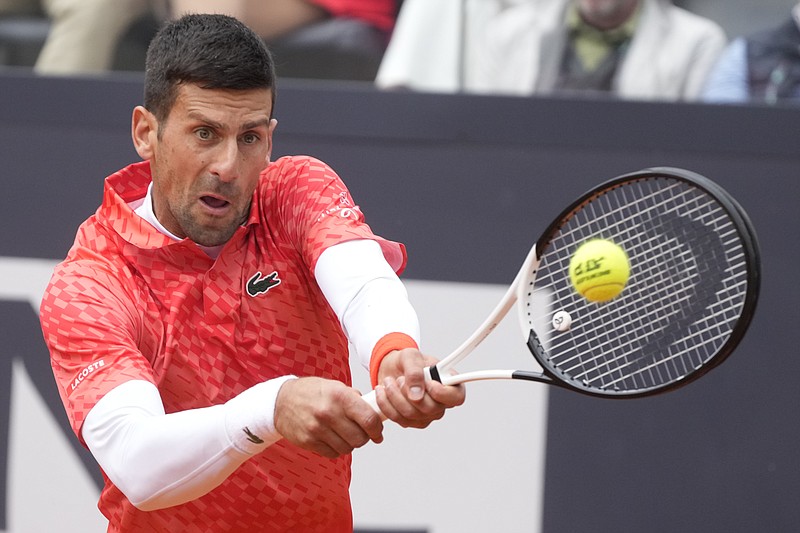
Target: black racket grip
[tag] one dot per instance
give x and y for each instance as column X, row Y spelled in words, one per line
column 434, row 373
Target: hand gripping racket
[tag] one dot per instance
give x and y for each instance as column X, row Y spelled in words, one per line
column 692, row 291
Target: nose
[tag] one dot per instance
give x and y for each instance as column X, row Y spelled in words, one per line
column 225, row 164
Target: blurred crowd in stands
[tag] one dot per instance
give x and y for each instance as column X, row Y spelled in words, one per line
column 631, row 49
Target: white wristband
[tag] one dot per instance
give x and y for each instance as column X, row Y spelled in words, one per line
column 250, row 416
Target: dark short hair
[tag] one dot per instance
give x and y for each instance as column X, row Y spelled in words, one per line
column 212, row 51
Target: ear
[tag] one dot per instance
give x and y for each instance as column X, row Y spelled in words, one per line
column 144, row 131
column 273, row 123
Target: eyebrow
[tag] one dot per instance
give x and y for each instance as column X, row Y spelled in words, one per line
column 253, row 124
column 256, row 124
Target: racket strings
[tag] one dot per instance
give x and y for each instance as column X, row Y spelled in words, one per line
column 650, row 272
column 686, row 290
column 680, row 298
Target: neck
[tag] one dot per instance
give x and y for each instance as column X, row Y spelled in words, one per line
column 606, row 14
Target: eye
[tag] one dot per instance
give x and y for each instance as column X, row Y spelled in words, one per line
column 204, row 134
column 250, row 138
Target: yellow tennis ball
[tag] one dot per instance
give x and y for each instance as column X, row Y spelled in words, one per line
column 599, row 270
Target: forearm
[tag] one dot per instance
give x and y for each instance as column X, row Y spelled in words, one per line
column 159, row 460
column 366, row 295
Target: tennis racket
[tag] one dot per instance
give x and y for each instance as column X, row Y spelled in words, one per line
column 692, row 291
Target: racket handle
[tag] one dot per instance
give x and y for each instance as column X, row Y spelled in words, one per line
column 372, row 400
column 431, row 373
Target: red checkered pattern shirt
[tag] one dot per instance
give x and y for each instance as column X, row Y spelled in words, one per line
column 130, row 303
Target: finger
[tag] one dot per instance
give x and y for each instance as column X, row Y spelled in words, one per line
column 341, row 436
column 372, row 425
column 333, row 442
column 321, row 440
column 367, row 424
column 416, row 414
column 447, row 395
column 348, row 439
column 402, row 410
column 324, row 450
column 353, row 425
column 333, row 446
column 385, row 405
column 414, row 378
column 424, row 406
column 357, row 432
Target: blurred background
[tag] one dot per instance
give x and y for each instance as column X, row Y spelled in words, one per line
column 467, row 177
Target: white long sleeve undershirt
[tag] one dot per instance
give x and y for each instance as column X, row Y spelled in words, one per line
column 159, row 460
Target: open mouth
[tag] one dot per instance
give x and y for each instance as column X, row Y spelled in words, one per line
column 213, row 202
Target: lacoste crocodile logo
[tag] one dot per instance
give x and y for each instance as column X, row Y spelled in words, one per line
column 252, row 437
column 259, row 285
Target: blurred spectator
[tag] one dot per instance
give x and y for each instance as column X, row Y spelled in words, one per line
column 327, row 39
column 643, row 49
column 272, row 19
column 83, row 34
column 762, row 67
column 320, row 39
column 20, row 7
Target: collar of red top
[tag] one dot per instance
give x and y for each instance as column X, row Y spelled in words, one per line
column 128, row 185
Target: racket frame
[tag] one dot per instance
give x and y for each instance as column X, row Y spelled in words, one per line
column 526, row 276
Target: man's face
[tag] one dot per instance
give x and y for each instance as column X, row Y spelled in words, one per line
column 206, row 158
column 606, row 12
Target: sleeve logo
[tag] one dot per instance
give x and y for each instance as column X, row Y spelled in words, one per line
column 83, row 374
column 258, row 285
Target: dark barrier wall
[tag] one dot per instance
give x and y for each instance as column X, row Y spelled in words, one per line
column 468, row 182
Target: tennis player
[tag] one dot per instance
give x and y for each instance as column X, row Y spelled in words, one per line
column 199, row 326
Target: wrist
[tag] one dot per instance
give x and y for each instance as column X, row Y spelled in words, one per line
column 250, row 416
column 387, row 344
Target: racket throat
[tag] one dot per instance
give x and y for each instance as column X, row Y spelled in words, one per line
column 432, row 373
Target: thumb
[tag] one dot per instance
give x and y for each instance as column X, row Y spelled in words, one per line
column 415, row 385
